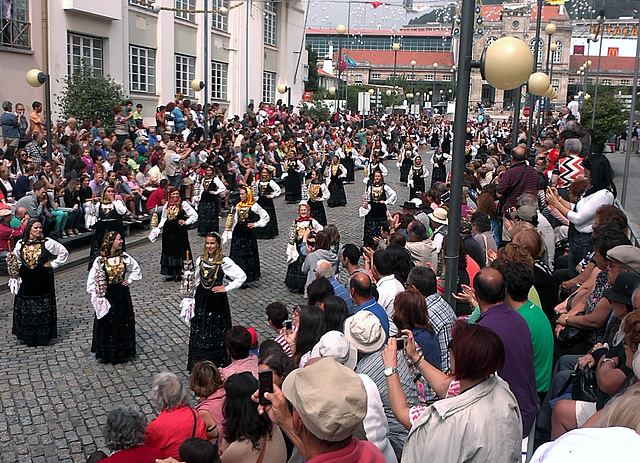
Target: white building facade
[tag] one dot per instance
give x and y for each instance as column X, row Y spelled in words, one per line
column 253, row 47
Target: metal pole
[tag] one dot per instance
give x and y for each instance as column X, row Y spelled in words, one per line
column 246, row 58
column 206, row 69
column 532, row 99
column 289, row 108
column 339, row 73
column 516, row 117
column 634, row 91
column 413, row 76
column 393, row 102
column 595, row 92
column 546, row 100
column 457, row 164
column 47, row 97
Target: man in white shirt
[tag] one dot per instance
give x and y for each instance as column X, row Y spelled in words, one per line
column 387, row 284
column 574, row 107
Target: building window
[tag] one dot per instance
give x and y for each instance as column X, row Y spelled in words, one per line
column 532, row 46
column 270, row 26
column 557, row 55
column 489, row 41
column 429, row 77
column 625, row 81
column 219, row 20
column 185, row 73
column 572, row 80
column 142, row 69
column 219, row 80
column 376, row 76
column 140, row 4
column 357, row 78
column 84, row 48
column 15, row 30
column 446, row 78
column 268, row 86
column 186, row 5
column 555, row 82
column 606, row 81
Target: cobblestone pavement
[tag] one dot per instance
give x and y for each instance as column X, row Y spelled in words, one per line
column 54, row 399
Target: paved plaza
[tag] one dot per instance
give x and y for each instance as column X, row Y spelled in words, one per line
column 54, row 399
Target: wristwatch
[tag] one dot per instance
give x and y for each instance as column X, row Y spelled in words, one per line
column 390, row 370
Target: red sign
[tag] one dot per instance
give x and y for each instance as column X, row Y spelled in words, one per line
column 526, row 111
column 307, row 97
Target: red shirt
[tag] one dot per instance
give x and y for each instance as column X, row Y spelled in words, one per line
column 139, row 454
column 155, row 198
column 7, row 234
column 172, row 428
column 356, row 451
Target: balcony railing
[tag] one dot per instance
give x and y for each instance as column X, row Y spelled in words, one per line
column 15, row 34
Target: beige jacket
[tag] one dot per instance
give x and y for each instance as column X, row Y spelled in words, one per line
column 480, row 425
column 423, row 252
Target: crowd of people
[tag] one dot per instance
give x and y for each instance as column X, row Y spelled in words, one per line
column 538, row 342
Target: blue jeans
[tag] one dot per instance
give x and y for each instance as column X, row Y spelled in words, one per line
column 578, row 248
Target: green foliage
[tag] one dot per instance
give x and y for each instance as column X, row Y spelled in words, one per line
column 312, row 58
column 610, row 118
column 317, row 110
column 89, row 96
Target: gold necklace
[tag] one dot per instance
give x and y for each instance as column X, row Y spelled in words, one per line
column 31, row 254
column 173, row 211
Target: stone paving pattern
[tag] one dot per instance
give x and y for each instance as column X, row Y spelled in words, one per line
column 54, row 399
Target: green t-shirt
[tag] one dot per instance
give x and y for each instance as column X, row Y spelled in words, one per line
column 542, row 340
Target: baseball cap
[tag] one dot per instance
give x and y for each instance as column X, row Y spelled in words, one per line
column 627, row 255
column 329, row 397
column 526, row 213
column 622, row 289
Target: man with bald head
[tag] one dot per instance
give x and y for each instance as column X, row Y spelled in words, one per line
column 518, row 178
column 361, row 290
column 518, row 370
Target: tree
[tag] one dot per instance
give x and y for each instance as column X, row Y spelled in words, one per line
column 312, row 58
column 86, row 95
column 317, row 110
column 610, row 119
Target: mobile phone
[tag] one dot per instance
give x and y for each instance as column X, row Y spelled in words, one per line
column 265, row 380
column 400, row 342
column 288, row 324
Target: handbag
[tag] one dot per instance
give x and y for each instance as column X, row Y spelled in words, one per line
column 585, row 385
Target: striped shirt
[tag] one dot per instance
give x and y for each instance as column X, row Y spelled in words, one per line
column 442, row 317
column 342, row 292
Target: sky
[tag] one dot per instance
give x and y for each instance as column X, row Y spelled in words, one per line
column 388, row 15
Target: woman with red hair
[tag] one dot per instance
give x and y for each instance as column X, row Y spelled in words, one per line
column 478, row 418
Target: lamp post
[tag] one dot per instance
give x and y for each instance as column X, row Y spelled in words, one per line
column 282, row 89
column 507, row 65
column 454, row 68
column 371, row 93
column 35, row 78
column 340, row 30
column 395, row 47
column 413, row 74
column 599, row 36
column 435, row 82
column 549, row 29
column 634, row 90
column 535, row 68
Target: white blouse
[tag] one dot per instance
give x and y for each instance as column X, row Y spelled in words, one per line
column 59, row 251
column 192, row 215
column 230, row 269
column 133, row 271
